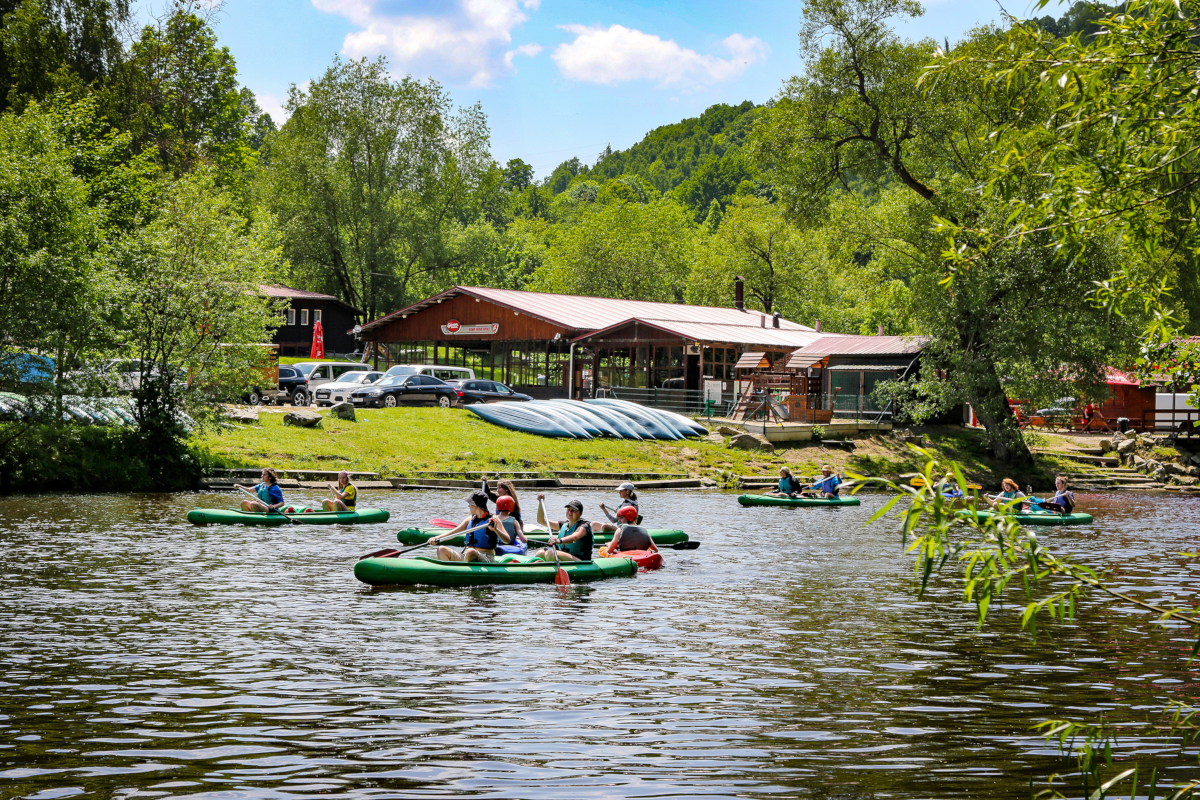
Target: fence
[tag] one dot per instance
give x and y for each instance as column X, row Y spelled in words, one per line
column 690, row 402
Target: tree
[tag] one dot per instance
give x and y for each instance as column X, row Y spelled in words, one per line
column 517, row 175
column 623, row 249
column 367, row 178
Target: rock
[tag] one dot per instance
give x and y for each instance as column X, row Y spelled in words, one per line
column 1106, row 446
column 1187, row 480
column 1137, row 462
column 343, row 411
column 1161, row 475
column 1174, row 469
column 707, row 482
column 302, row 418
column 1196, row 458
column 751, row 441
column 1191, row 471
column 1127, row 446
column 917, row 441
column 246, row 416
column 716, row 438
column 725, row 430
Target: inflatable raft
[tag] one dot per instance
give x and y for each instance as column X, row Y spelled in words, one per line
column 509, row 570
column 662, row 538
column 795, row 502
column 1034, row 517
column 304, row 516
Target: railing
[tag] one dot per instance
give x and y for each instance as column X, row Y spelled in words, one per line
column 1179, row 420
column 682, row 401
column 860, row 406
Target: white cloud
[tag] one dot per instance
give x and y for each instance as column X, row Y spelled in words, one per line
column 272, row 105
column 529, row 50
column 616, row 54
column 468, row 39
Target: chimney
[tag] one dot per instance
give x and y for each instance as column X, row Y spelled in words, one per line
column 881, row 330
column 762, row 320
column 739, row 293
column 775, row 320
column 817, row 326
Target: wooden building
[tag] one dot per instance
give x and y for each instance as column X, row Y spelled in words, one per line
column 552, row 345
column 304, row 309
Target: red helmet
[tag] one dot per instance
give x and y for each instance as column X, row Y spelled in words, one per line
column 506, row 503
column 627, row 512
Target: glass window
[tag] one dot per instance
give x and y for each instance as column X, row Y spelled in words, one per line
column 304, row 316
column 316, row 315
column 291, row 316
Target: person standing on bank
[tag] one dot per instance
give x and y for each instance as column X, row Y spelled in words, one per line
column 574, row 538
column 270, row 496
column 345, row 494
column 483, row 534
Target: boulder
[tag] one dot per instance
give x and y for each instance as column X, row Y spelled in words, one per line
column 302, row 418
column 715, row 438
column 707, row 482
column 751, row 441
column 725, row 430
column 1174, row 469
column 1127, row 446
column 246, row 416
column 1186, row 480
column 1196, row 458
column 1137, row 462
column 343, row 411
column 1106, row 446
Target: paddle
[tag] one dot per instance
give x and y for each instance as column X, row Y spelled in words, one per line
column 919, row 482
column 390, row 553
column 439, row 522
column 561, row 578
column 292, row 520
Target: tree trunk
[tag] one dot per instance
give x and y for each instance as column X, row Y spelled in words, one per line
column 1000, row 426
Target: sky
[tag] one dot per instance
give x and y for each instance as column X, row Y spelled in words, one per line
column 556, row 78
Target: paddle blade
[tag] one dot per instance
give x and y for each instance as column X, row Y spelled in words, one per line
column 389, row 553
column 438, row 522
column 561, row 578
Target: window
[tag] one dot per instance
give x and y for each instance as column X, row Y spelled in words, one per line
column 291, row 316
column 304, row 316
column 316, row 315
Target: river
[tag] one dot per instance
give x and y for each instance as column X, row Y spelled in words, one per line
column 788, row 656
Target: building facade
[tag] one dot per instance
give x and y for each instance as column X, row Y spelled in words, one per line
column 303, row 311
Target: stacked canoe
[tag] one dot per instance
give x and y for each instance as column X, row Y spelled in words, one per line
column 590, row 419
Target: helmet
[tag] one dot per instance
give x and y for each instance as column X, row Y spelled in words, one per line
column 627, row 512
column 505, row 503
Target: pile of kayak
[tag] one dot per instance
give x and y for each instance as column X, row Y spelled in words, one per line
column 589, row 419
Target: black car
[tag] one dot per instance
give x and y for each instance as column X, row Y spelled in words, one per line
column 405, row 390
column 477, row 391
column 293, row 385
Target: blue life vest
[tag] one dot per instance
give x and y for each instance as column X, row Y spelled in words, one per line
column 269, row 493
column 480, row 534
column 828, row 485
column 788, row 484
column 516, row 547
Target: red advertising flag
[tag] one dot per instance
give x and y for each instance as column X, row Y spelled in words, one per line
column 318, row 345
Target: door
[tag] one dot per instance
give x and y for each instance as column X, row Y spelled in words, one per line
column 423, row 391
column 319, row 375
column 692, row 372
column 499, row 393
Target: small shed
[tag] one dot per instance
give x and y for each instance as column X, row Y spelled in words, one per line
column 839, row 373
column 303, row 311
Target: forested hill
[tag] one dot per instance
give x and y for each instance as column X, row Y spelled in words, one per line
column 697, row 159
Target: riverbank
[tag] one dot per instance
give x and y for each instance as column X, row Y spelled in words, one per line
column 408, row 441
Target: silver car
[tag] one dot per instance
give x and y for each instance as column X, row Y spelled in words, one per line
column 339, row 391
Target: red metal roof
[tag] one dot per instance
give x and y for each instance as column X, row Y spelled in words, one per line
column 1114, row 377
column 864, row 345
column 567, row 311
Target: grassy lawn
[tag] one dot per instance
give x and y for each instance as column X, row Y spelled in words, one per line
column 406, row 440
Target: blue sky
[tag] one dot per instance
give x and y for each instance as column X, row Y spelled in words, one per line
column 557, row 78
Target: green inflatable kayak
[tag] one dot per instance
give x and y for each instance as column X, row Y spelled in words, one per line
column 421, row 535
column 304, row 516
column 795, row 502
column 509, row 570
column 1034, row 517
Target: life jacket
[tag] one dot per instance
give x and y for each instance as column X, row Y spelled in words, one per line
column 516, row 546
column 633, row 537
column 510, row 527
column 350, row 495
column 829, row 485
column 581, row 548
column 263, row 490
column 788, row 484
column 482, row 538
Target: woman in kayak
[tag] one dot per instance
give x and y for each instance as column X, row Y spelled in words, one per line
column 788, row 485
column 483, row 534
column 827, row 486
column 629, row 536
column 270, row 496
column 628, row 499
column 950, row 489
column 1009, row 491
column 574, row 540
column 1063, row 500
column 504, row 488
column 516, row 534
column 345, row 494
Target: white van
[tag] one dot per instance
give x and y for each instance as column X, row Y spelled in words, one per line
column 438, row 371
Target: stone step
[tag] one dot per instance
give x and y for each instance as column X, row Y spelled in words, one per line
column 1108, row 461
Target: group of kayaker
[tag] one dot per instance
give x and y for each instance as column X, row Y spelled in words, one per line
column 827, row 486
column 268, row 496
column 488, row 535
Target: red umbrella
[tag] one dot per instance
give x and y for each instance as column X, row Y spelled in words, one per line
column 318, row 345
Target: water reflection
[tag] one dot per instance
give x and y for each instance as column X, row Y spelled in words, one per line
column 788, row 656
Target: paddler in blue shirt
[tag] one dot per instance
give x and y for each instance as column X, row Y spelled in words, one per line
column 574, row 541
column 270, row 496
column 828, row 485
column 788, row 485
column 483, row 534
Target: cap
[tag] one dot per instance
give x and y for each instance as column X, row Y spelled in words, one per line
column 505, row 503
column 575, row 504
column 627, row 512
column 625, row 487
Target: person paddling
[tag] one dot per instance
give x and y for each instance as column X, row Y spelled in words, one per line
column 950, row 489
column 504, row 488
column 516, row 534
column 574, row 540
column 1009, row 491
column 270, row 496
column 629, row 535
column 345, row 494
column 788, row 486
column 483, row 534
column 629, row 499
column 1063, row 500
column 828, row 485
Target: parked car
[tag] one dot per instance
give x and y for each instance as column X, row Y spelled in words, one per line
column 317, row 373
column 477, row 391
column 406, row 390
column 291, row 380
column 438, row 371
column 339, row 391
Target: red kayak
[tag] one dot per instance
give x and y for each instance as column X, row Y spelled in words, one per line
column 645, row 559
